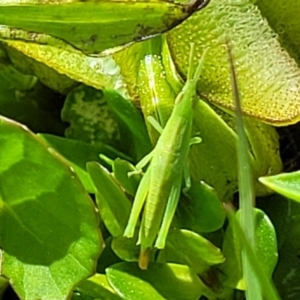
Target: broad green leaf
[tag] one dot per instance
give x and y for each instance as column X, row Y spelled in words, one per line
column 283, row 17
column 114, row 207
column 160, row 281
column 218, row 168
column 286, row 184
column 95, row 287
column 202, row 210
column 90, row 118
column 187, row 247
column 279, row 211
column 27, row 64
column 92, row 26
column 49, row 226
column 77, row 159
column 56, row 67
column 268, row 77
column 266, row 250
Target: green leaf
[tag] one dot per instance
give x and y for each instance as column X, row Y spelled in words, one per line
column 27, row 64
column 56, row 67
column 202, row 210
column 286, row 184
column 114, row 207
column 96, row 287
column 121, row 169
column 187, row 247
column 77, row 159
column 92, row 26
column 267, row 73
column 266, row 250
column 49, row 227
column 287, row 272
column 160, row 281
column 132, row 126
column 283, row 18
column 125, row 248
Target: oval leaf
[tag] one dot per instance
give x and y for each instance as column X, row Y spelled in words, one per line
column 160, row 281
column 96, row 287
column 286, row 184
column 49, row 227
column 114, row 207
column 202, row 211
column 191, row 249
column 266, row 250
column 121, row 169
column 269, row 77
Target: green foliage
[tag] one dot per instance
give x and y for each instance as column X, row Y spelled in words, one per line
column 70, row 179
column 49, row 228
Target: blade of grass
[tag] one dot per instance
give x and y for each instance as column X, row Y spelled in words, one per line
column 246, row 192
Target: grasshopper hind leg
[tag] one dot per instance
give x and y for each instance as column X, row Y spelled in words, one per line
column 138, row 204
column 169, row 213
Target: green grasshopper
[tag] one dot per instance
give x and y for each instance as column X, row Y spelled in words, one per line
column 161, row 185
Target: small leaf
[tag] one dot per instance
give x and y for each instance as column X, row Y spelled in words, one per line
column 114, row 207
column 96, row 287
column 49, row 226
column 191, row 249
column 266, row 250
column 160, row 281
column 121, row 169
column 286, row 184
column 202, row 211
